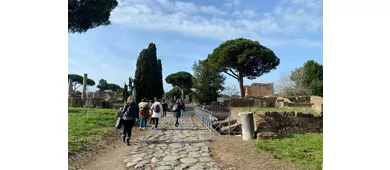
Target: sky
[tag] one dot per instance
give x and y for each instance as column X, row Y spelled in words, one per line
column 187, row 31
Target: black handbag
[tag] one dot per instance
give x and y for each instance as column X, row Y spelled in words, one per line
column 119, row 122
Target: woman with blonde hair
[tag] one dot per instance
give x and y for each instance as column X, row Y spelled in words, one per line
column 129, row 113
column 143, row 113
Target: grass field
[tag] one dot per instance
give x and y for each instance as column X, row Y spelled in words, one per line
column 86, row 125
column 305, row 150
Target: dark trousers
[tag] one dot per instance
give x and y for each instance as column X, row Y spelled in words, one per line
column 177, row 120
column 155, row 121
column 127, row 127
column 164, row 113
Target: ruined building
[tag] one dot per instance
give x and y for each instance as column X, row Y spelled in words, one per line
column 259, row 90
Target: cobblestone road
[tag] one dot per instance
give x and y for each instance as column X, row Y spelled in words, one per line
column 172, row 148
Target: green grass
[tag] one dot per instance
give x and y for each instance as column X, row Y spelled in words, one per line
column 86, row 125
column 304, row 150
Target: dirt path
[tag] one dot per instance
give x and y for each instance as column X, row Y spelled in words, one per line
column 112, row 158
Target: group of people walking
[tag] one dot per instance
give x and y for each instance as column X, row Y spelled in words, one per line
column 131, row 111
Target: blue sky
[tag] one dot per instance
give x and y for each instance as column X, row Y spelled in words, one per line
column 186, row 31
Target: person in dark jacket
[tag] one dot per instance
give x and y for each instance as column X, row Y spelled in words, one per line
column 130, row 113
column 165, row 108
column 178, row 111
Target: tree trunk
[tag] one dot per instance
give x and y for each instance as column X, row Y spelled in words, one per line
column 241, row 83
column 182, row 94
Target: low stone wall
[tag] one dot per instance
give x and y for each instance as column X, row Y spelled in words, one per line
column 104, row 104
column 299, row 99
column 75, row 102
column 253, row 102
column 241, row 103
column 317, row 103
column 268, row 124
column 216, row 107
column 298, row 104
column 92, row 102
column 287, row 123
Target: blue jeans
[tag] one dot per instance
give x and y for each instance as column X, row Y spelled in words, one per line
column 142, row 122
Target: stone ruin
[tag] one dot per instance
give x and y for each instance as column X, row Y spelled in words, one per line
column 259, row 90
column 271, row 124
column 313, row 102
column 92, row 99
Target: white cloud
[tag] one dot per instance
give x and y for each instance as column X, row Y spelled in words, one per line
column 298, row 17
column 232, row 3
column 100, row 63
column 185, row 7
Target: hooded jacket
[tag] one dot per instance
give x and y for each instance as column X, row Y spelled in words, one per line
column 157, row 114
column 145, row 107
column 130, row 111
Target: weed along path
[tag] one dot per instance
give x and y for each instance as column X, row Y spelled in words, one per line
column 170, row 147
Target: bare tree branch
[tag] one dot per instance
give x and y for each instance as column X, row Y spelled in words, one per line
column 231, row 90
column 75, row 88
column 292, row 84
column 236, row 77
column 233, row 72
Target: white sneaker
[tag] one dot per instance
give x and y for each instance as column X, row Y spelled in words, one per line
column 153, row 127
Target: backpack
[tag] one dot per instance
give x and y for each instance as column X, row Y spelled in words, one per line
column 175, row 107
column 143, row 110
column 127, row 110
column 156, row 108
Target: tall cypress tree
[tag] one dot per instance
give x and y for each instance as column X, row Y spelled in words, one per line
column 160, row 86
column 153, row 79
column 148, row 75
column 141, row 76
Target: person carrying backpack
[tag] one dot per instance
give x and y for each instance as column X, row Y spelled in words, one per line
column 157, row 111
column 129, row 113
column 143, row 113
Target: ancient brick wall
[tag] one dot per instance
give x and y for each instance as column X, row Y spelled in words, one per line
column 259, row 89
